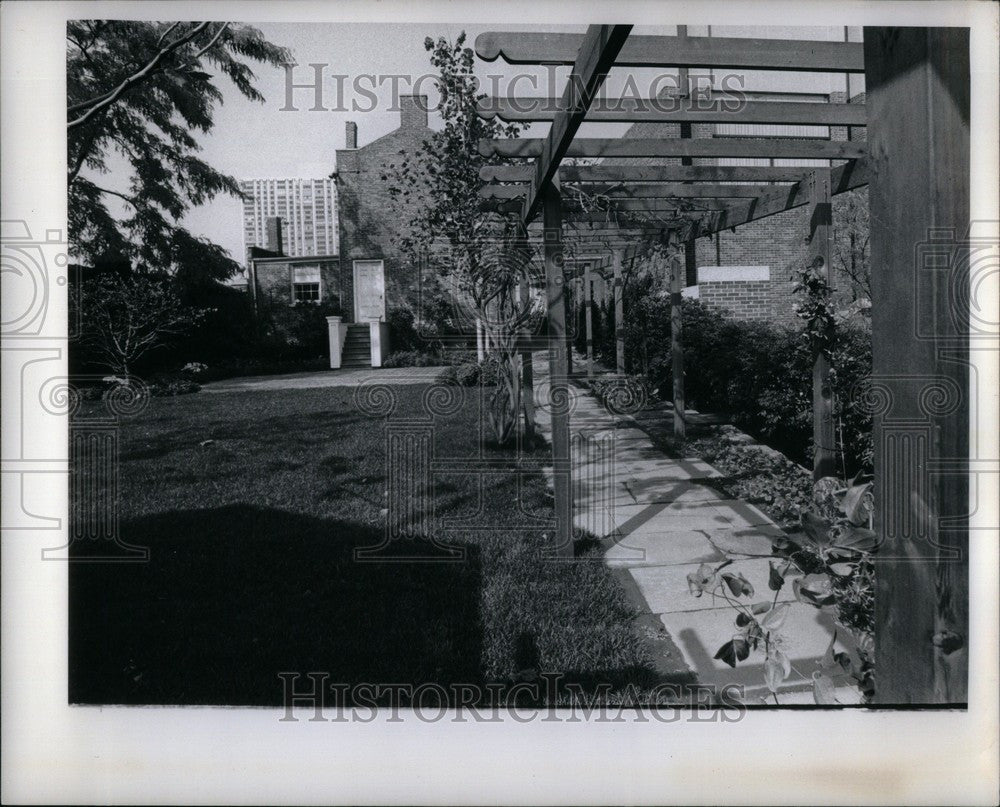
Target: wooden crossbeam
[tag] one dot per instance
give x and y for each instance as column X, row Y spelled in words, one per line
column 630, row 219
column 622, row 191
column 774, row 199
column 649, row 173
column 842, row 178
column 520, row 47
column 595, row 54
column 571, row 205
column 673, row 109
column 573, row 212
column 603, row 147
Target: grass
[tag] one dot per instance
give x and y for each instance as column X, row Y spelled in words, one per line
column 252, row 573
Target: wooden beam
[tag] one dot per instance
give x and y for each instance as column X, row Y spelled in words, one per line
column 676, row 340
column 519, row 47
column 527, row 371
column 820, row 256
column 674, row 109
column 555, row 287
column 917, row 82
column 648, row 173
column 677, row 207
column 605, row 147
column 842, row 178
column 632, row 191
column 596, row 54
column 588, row 319
column 627, row 220
column 619, row 291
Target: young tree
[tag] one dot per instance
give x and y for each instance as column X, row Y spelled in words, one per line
column 124, row 317
column 485, row 255
column 142, row 89
column 851, row 233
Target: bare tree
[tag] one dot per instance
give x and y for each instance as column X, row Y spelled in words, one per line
column 125, row 318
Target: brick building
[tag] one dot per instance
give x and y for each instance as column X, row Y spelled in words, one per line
column 371, row 220
column 371, row 274
column 278, row 279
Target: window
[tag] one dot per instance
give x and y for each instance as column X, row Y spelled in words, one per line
column 305, row 284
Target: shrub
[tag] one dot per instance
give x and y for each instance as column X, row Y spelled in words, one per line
column 411, row 358
column 757, row 373
column 465, row 374
column 402, row 332
column 166, row 387
column 296, row 332
column 471, row 373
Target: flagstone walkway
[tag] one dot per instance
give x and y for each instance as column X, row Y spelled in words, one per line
column 660, row 518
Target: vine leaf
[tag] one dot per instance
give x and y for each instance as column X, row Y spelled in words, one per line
column 737, row 649
column 738, row 584
column 775, row 618
column 814, row 589
column 776, row 574
column 777, row 667
column 823, row 690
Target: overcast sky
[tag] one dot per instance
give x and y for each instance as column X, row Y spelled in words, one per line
column 255, row 140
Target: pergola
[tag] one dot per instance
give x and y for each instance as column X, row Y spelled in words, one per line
column 915, row 161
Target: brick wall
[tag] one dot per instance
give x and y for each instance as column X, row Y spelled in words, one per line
column 775, row 242
column 274, row 280
column 778, row 242
column 371, row 221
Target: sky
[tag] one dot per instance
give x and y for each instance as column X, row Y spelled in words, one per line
column 261, row 140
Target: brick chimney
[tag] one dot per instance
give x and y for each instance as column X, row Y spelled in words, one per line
column 413, row 111
column 274, row 241
column 351, row 140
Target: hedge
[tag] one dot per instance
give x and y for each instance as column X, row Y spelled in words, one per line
column 757, row 373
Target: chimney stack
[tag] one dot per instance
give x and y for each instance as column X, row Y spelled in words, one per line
column 351, row 141
column 413, row 111
column 274, row 242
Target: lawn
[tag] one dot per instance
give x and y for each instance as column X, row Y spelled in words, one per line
column 252, row 506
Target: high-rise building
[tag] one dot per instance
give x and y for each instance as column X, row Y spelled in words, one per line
column 308, row 212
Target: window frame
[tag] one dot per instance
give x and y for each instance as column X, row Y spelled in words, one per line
column 318, row 283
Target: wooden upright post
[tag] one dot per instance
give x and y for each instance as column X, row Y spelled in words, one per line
column 555, row 287
column 618, row 289
column 588, row 318
column 676, row 347
column 527, row 371
column 820, row 256
column 917, row 83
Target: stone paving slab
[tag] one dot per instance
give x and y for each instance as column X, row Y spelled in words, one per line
column 664, row 467
column 699, row 634
column 659, row 549
column 666, row 587
column 675, row 516
column 654, row 491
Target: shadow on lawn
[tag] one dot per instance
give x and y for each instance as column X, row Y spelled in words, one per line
column 233, row 596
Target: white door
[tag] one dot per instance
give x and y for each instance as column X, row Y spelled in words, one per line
column 369, row 291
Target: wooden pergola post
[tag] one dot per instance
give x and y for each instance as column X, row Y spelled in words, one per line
column 588, row 319
column 618, row 289
column 527, row 371
column 917, row 83
column 676, row 334
column 555, row 288
column 820, row 257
